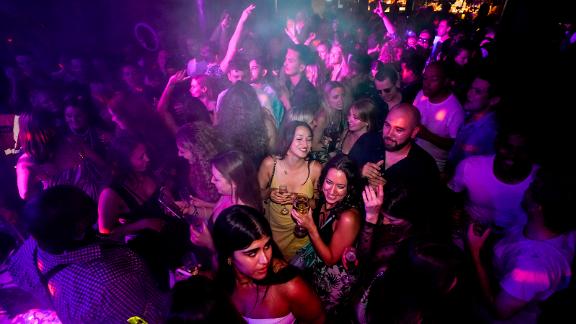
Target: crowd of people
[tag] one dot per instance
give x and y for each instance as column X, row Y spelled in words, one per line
column 370, row 172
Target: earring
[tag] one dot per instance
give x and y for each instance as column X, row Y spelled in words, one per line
column 229, row 261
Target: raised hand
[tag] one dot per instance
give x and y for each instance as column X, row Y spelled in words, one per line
column 379, row 11
column 373, row 199
column 310, row 38
column 246, row 13
column 477, row 238
column 178, row 77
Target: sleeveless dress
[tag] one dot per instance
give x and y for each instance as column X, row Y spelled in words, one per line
column 333, row 284
column 283, row 225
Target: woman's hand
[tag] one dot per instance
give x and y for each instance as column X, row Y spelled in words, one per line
column 178, row 77
column 201, row 203
column 281, row 198
column 477, row 236
column 185, row 207
column 246, row 13
column 200, row 236
column 304, row 220
column 373, row 200
column 379, row 11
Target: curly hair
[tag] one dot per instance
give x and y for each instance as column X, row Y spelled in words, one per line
column 240, row 122
column 202, row 141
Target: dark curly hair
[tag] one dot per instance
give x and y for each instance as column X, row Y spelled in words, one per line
column 240, row 122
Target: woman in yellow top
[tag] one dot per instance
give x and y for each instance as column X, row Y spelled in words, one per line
column 292, row 171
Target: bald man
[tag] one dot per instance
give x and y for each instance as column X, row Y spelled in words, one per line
column 395, row 159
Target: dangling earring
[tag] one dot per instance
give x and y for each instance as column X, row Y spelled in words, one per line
column 229, row 261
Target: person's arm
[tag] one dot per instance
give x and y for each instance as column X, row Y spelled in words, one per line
column 345, row 233
column 385, row 20
column 304, row 304
column 233, row 44
column 264, row 176
column 109, row 207
column 444, row 143
column 164, row 101
column 503, row 304
column 24, row 177
column 290, row 31
column 373, row 199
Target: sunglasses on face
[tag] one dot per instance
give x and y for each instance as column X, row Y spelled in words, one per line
column 423, row 40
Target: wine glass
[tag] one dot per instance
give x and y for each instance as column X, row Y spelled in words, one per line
column 283, row 189
column 302, row 205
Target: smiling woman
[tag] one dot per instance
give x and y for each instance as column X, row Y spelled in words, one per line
column 290, row 168
column 251, row 268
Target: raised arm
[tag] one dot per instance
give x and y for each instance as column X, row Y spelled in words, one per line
column 373, row 199
column 164, row 101
column 503, row 304
column 25, row 177
column 387, row 23
column 233, row 44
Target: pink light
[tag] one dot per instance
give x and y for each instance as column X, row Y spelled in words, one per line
column 440, row 115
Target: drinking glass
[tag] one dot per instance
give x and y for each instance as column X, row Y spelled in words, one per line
column 302, row 205
column 283, row 189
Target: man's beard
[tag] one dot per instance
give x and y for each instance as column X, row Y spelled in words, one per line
column 396, row 146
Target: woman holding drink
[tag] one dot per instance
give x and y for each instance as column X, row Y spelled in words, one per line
column 282, row 177
column 333, row 226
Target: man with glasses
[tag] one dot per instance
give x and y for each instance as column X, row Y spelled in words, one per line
column 387, row 84
column 424, row 39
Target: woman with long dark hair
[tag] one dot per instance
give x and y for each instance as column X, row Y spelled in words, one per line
column 129, row 210
column 235, row 179
column 333, row 227
column 251, row 269
column 291, row 170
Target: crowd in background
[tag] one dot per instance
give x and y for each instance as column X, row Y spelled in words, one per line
column 168, row 189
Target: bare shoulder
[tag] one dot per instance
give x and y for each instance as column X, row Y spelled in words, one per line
column 24, row 161
column 109, row 195
column 315, row 169
column 351, row 215
column 295, row 289
column 268, row 163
